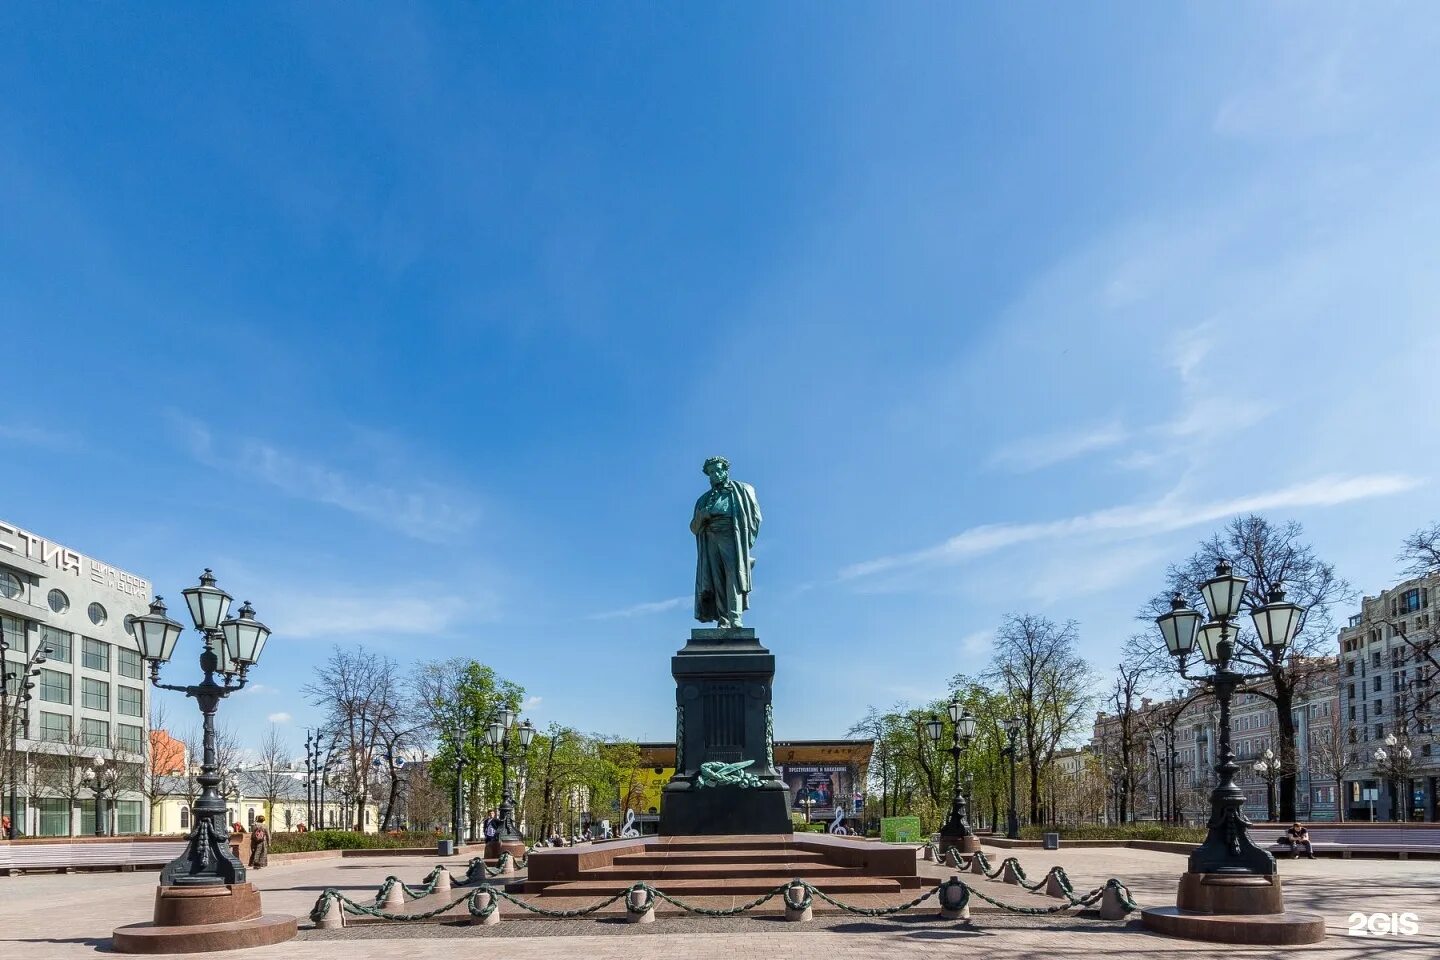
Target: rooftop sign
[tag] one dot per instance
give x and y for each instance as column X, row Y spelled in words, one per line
column 22, row 544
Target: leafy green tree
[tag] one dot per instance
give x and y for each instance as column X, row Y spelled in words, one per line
column 458, row 698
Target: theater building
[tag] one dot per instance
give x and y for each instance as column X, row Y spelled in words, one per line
column 90, row 701
column 823, row 775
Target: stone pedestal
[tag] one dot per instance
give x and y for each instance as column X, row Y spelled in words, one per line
column 1234, row 908
column 198, row 919
column 723, row 715
column 966, row 843
column 493, row 849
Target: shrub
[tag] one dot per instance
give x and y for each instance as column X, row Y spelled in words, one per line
column 347, row 840
column 1129, row 831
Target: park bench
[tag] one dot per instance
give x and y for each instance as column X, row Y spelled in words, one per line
column 1378, row 840
column 118, row 854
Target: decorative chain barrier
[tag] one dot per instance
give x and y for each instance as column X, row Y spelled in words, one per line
column 1064, row 888
column 640, row 898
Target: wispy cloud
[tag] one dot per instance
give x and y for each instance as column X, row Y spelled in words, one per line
column 419, row 508
column 417, row 610
column 1036, row 452
column 642, row 609
column 38, row 437
column 1145, row 519
column 531, row 702
column 281, row 717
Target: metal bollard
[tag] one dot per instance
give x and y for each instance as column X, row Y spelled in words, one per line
column 954, row 905
column 334, row 916
column 1009, row 874
column 640, row 906
column 483, row 899
column 796, row 893
column 394, row 898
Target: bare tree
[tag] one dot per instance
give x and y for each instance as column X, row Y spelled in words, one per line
column 61, row 772
column 1331, row 754
column 274, row 774
column 1270, row 556
column 363, row 696
column 1047, row 684
column 1124, row 699
column 1421, row 552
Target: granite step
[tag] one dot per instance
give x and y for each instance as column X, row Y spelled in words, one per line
column 661, row 857
column 774, row 872
column 734, row 886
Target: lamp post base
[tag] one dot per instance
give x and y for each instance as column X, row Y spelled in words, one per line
column 203, row 919
column 965, row 843
column 493, row 849
column 1234, row 908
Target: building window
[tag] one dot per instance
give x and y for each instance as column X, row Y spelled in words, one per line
column 58, row 601
column 130, row 738
column 129, row 701
column 58, row 641
column 1379, row 731
column 1379, row 683
column 1410, row 601
column 94, row 694
column 95, row 733
column 97, row 614
column 94, row 654
column 184, row 818
column 1375, row 658
column 1352, row 711
column 127, row 663
column 10, row 585
column 1350, row 668
column 54, row 727
column 54, row 686
column 1379, row 708
column 127, row 816
column 15, row 633
column 54, row 816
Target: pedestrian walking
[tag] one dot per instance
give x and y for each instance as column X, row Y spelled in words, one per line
column 260, row 844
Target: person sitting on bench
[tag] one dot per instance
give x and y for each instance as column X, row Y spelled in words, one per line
column 1295, row 838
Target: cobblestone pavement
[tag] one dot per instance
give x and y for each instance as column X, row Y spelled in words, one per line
column 71, row 916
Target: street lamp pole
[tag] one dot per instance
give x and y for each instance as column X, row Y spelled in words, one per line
column 956, row 832
column 232, row 646
column 1228, row 874
column 1012, row 819
column 509, row 740
column 16, row 702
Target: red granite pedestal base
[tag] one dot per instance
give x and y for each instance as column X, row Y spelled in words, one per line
column 966, row 844
column 1227, row 908
column 202, row 919
column 493, row 849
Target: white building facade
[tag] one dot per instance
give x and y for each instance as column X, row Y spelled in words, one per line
column 90, row 700
column 1385, row 693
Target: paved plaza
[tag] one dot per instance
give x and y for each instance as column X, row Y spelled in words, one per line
column 71, row 916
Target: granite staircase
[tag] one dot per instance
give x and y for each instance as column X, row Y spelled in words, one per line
column 728, row 865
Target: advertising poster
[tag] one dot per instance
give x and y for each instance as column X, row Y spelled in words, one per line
column 822, row 786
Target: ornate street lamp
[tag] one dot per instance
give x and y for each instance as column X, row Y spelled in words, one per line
column 102, row 778
column 509, row 742
column 955, row 831
column 1012, row 820
column 1268, row 766
column 1228, row 874
column 231, row 646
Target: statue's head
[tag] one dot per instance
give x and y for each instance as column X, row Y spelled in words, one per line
column 717, row 469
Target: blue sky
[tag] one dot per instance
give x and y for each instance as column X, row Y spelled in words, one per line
column 416, row 323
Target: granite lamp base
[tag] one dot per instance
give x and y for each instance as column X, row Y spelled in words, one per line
column 1234, row 908
column 965, row 843
column 203, row 919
